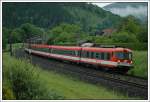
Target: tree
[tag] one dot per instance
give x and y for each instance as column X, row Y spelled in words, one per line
column 133, row 27
column 17, row 35
column 124, row 37
column 143, row 35
column 64, row 33
column 102, row 39
column 30, row 31
column 23, row 33
column 5, row 37
column 130, row 24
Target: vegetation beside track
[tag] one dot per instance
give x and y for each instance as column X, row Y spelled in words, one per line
column 35, row 83
column 14, row 47
column 140, row 61
column 22, row 81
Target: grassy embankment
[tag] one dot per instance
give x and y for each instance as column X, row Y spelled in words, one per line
column 14, row 47
column 140, row 60
column 21, row 80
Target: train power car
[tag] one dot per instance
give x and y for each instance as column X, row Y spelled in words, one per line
column 115, row 58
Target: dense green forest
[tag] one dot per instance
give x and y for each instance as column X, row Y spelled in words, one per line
column 48, row 15
column 59, row 23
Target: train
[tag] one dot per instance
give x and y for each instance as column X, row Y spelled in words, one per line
column 110, row 58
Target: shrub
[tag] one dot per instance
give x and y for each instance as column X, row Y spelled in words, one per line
column 25, row 81
column 124, row 37
column 140, row 62
column 7, row 91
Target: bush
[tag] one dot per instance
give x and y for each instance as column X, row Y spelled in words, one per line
column 140, row 61
column 124, row 37
column 64, row 33
column 7, row 91
column 102, row 39
column 5, row 37
column 132, row 46
column 25, row 81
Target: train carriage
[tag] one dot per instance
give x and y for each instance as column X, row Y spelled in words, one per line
column 111, row 58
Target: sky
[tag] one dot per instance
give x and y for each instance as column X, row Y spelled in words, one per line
column 101, row 4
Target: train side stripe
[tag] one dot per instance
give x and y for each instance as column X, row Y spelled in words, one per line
column 68, row 57
column 99, row 62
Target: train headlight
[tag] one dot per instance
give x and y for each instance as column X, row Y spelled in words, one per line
column 118, row 61
column 126, row 61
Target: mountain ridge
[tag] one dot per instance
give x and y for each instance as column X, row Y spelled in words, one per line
column 48, row 15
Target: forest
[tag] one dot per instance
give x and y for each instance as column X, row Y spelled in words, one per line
column 60, row 23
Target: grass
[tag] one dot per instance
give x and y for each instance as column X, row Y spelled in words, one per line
column 140, row 60
column 14, row 46
column 75, row 89
column 59, row 86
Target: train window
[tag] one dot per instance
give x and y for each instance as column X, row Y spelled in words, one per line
column 79, row 53
column 73, row 53
column 92, row 55
column 50, row 50
column 97, row 55
column 56, row 51
column 87, row 54
column 102, row 56
column 70, row 53
column 67, row 52
column 106, row 56
column 76, row 53
column 83, row 54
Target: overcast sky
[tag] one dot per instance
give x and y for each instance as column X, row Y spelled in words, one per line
column 101, row 4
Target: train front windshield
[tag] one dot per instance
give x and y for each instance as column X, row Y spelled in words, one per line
column 124, row 55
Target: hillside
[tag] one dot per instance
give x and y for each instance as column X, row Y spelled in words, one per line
column 139, row 10
column 48, row 15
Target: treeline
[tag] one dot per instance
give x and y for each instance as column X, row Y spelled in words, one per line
column 128, row 31
column 20, row 34
column 48, row 15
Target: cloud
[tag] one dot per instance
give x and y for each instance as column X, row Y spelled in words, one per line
column 138, row 12
column 101, row 4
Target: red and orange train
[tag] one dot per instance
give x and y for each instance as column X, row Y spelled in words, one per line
column 115, row 58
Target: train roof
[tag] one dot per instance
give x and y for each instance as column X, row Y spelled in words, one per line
column 40, row 46
column 97, row 49
column 66, row 47
column 94, row 49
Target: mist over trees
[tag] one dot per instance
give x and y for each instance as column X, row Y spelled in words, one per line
column 136, row 9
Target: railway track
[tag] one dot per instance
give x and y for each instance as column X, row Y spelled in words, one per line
column 129, row 85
